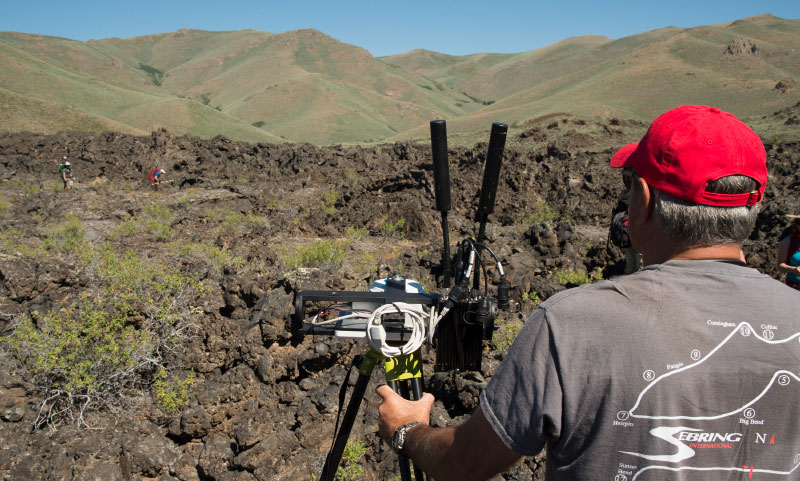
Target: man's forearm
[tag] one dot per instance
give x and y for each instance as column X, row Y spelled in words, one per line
column 471, row 450
column 465, row 452
column 431, row 449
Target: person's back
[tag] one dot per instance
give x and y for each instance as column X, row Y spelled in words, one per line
column 686, row 369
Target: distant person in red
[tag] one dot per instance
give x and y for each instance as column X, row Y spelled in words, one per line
column 155, row 175
column 789, row 254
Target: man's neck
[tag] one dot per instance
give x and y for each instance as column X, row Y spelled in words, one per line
column 718, row 252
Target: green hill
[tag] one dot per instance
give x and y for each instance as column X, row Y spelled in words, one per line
column 305, row 86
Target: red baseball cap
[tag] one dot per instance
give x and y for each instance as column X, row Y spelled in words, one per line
column 687, row 147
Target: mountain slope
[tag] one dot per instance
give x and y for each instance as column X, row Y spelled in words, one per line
column 305, row 86
column 643, row 75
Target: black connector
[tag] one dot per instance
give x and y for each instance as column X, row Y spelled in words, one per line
column 456, row 295
column 485, row 315
column 503, row 297
column 459, row 266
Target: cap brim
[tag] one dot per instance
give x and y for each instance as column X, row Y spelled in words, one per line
column 623, row 155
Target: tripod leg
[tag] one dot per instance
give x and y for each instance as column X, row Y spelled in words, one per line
column 417, row 386
column 405, row 466
column 416, row 393
column 401, row 371
column 335, row 455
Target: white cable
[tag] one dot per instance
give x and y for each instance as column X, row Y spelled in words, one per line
column 353, row 315
column 376, row 334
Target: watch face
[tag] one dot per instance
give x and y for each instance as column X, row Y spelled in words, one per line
column 399, row 437
column 397, row 441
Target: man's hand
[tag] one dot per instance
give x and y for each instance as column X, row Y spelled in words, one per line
column 395, row 411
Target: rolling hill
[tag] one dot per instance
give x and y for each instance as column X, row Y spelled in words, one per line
column 304, row 86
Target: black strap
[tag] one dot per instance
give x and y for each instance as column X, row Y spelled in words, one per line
column 342, row 396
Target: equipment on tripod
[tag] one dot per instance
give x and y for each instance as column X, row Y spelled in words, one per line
column 397, row 317
column 459, row 336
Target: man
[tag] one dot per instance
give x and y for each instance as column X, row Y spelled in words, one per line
column 65, row 171
column 686, row 369
column 155, row 176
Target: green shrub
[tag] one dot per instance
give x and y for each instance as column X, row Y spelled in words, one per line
column 317, row 253
column 69, row 238
column 156, row 219
column 273, row 205
column 356, row 233
column 24, row 189
column 240, row 224
column 124, row 229
column 578, row 277
column 105, row 347
column 78, row 350
column 329, row 200
column 157, row 211
column 532, row 298
column 13, row 241
column 507, row 331
column 160, row 231
column 349, row 469
column 535, row 213
column 391, row 228
column 171, row 394
column 365, row 262
column 214, row 256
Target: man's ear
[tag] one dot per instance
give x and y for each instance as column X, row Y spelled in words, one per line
column 645, row 199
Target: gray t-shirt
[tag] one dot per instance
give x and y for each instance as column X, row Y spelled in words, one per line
column 687, row 370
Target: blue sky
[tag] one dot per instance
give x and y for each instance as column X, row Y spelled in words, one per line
column 386, row 28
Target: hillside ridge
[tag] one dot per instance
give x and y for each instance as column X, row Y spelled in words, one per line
column 306, row 86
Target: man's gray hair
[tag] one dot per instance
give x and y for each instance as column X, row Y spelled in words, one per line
column 686, row 225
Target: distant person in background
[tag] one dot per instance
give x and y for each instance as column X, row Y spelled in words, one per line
column 789, row 254
column 618, row 230
column 155, row 176
column 65, row 172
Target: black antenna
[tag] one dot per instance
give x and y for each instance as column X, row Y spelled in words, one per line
column 491, row 174
column 441, row 182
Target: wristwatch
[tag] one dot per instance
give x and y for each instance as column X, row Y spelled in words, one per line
column 400, row 436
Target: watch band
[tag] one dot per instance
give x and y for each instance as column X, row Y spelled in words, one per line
column 401, row 435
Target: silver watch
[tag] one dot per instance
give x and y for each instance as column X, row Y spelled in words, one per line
column 400, row 436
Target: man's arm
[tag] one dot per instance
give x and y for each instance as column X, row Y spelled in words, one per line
column 469, row 451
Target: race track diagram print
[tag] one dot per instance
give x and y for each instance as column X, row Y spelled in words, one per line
column 720, row 414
